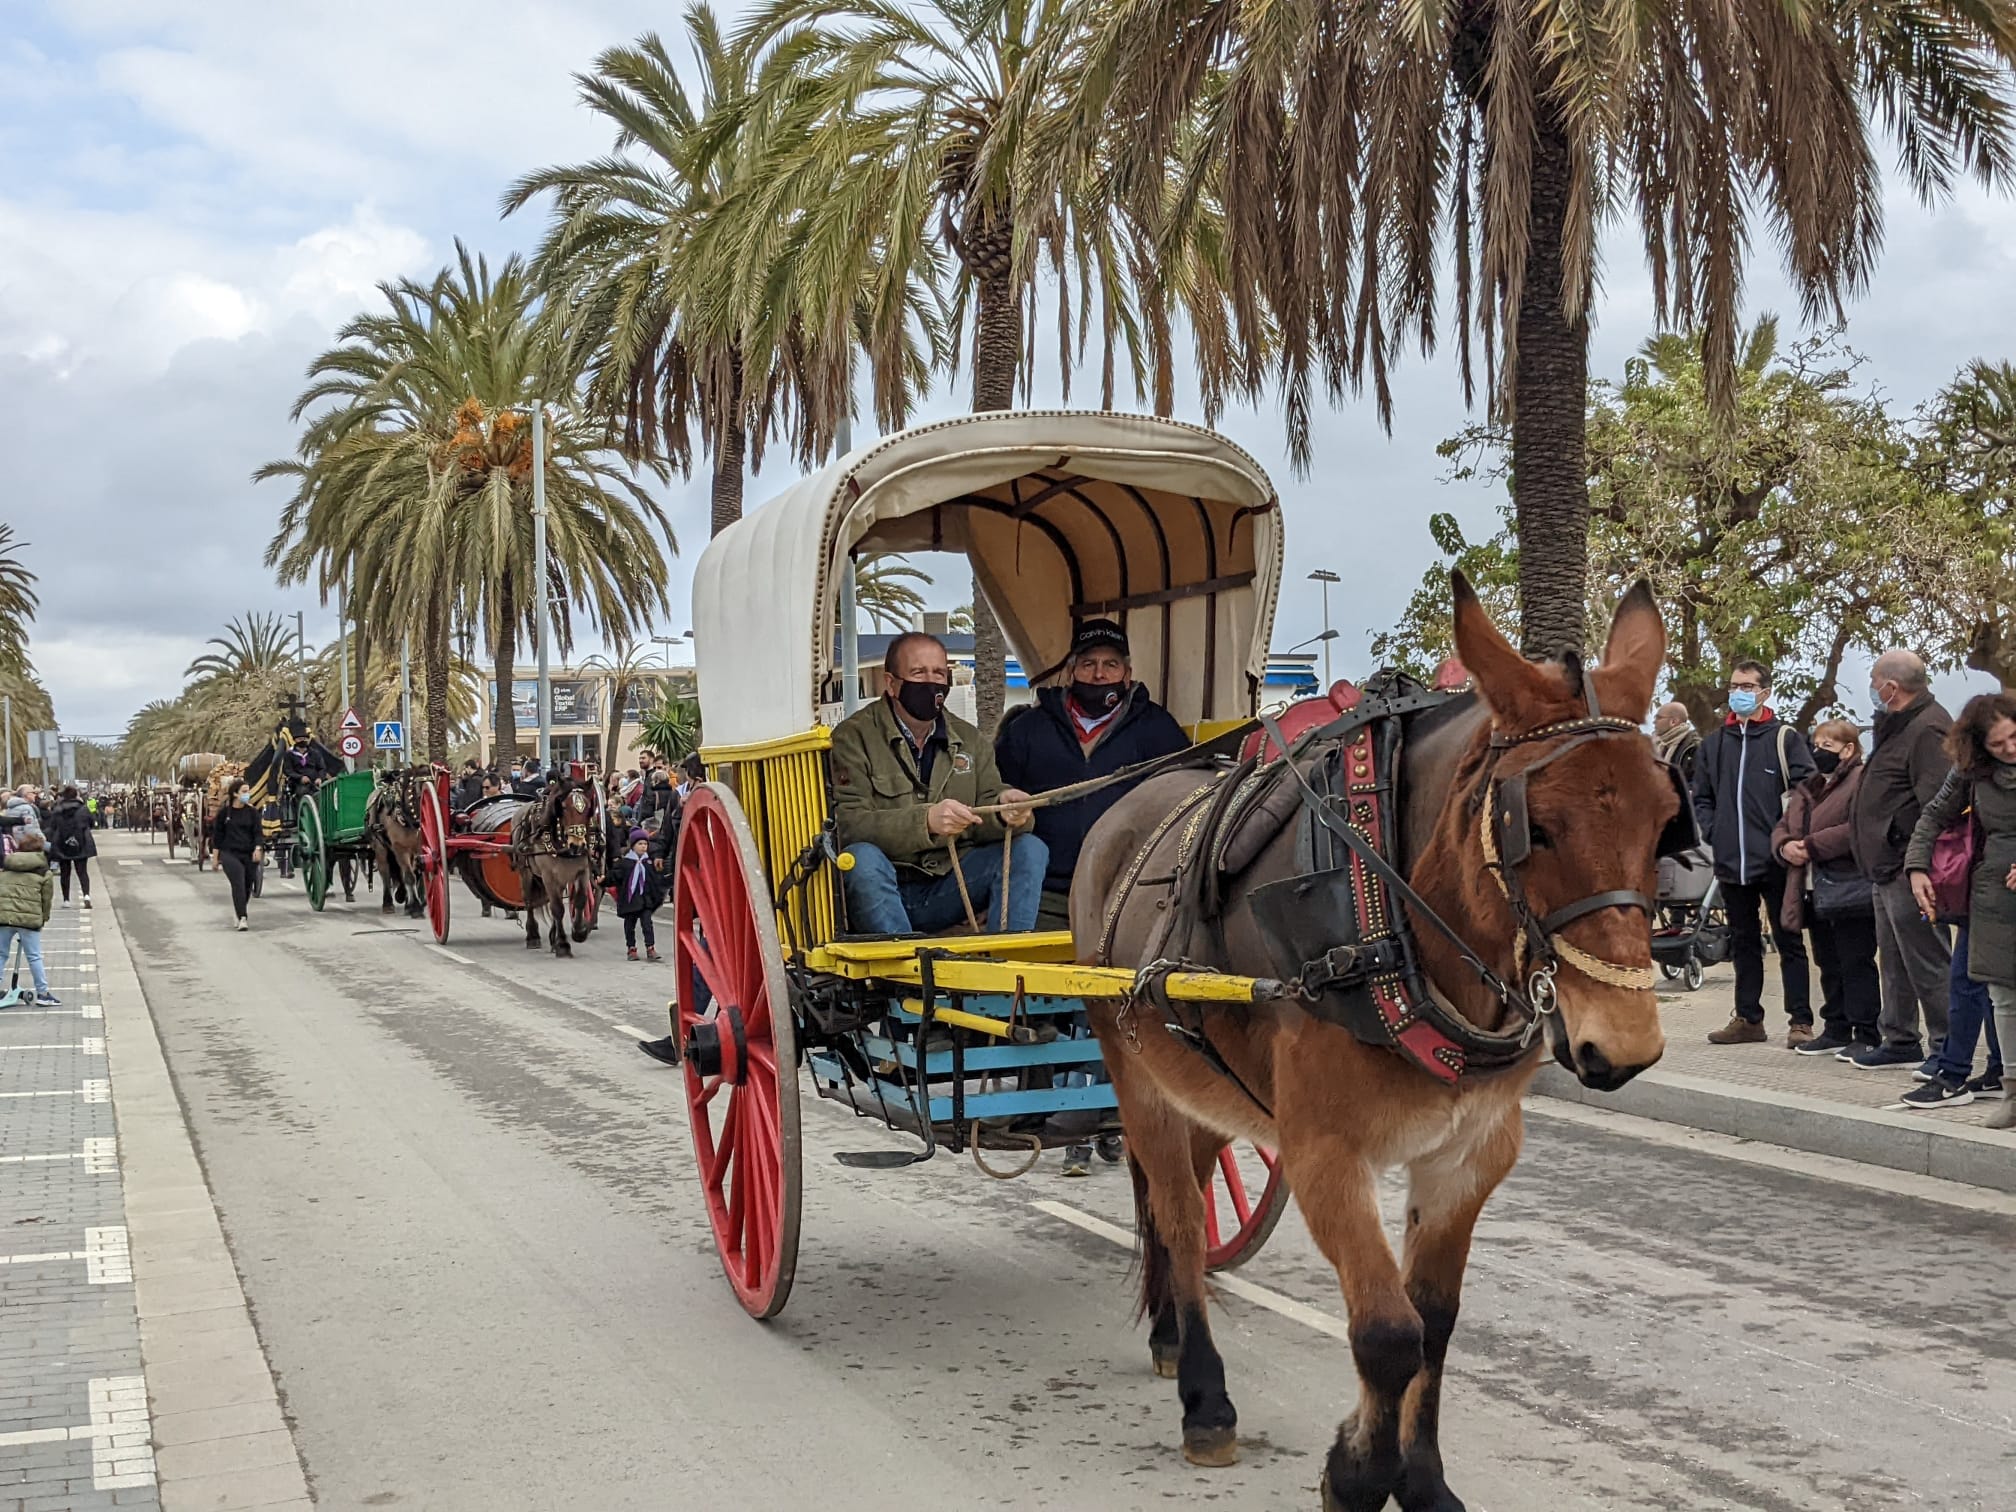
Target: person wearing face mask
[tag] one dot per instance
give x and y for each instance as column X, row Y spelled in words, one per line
column 907, row 777
column 1100, row 721
column 239, row 841
column 1826, row 897
column 1744, row 774
column 1982, row 748
column 1907, row 764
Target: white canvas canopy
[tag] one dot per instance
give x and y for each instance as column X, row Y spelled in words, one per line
column 1065, row 515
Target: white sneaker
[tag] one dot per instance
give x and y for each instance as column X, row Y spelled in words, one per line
column 243, row 926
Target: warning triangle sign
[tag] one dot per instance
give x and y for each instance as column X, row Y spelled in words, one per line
column 351, row 721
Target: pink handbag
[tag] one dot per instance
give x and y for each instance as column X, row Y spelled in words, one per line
column 1954, row 856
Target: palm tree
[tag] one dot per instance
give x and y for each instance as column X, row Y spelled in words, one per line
column 672, row 729
column 687, row 315
column 906, row 134
column 1355, row 147
column 18, row 601
column 416, row 483
column 882, row 589
column 251, row 643
column 623, row 670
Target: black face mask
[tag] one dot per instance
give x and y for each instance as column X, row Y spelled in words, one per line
column 1828, row 761
column 1097, row 700
column 921, row 700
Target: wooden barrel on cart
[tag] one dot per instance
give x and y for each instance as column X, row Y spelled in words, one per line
column 489, row 873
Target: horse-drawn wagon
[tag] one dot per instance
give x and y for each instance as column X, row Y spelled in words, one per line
column 332, row 836
column 519, row 854
column 970, row 1042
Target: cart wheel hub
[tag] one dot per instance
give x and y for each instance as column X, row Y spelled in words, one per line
column 711, row 1053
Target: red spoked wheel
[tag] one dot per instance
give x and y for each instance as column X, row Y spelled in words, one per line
column 434, row 858
column 739, row 1055
column 1244, row 1197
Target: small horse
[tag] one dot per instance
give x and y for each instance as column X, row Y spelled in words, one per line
column 556, row 843
column 392, row 826
column 1597, row 804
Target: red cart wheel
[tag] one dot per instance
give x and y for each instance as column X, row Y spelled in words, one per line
column 1244, row 1198
column 740, row 1055
column 434, row 859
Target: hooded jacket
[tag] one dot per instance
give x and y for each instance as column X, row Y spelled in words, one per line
column 1038, row 749
column 1740, row 792
column 69, row 833
column 27, row 890
column 30, row 816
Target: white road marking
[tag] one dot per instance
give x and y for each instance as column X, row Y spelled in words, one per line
column 78, row 1093
column 444, row 950
column 90, row 1047
column 125, row 862
column 100, row 1157
column 632, row 1031
column 1299, row 1312
column 108, row 1258
column 122, row 1452
column 174, row 860
column 49, row 1259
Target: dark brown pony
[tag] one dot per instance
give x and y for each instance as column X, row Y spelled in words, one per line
column 392, row 825
column 1341, row 1111
column 556, row 842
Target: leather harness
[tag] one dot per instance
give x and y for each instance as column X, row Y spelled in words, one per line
column 1340, row 914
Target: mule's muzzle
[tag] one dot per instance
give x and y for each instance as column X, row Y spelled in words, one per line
column 1593, row 1068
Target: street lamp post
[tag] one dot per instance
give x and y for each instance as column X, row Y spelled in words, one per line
column 301, row 661
column 668, row 642
column 539, row 557
column 1326, row 577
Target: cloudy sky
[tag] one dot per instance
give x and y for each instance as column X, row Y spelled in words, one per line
column 193, row 196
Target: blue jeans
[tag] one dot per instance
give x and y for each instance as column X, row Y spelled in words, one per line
column 31, row 947
column 1969, row 1014
column 882, row 901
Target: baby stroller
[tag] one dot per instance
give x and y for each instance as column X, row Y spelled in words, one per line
column 1691, row 930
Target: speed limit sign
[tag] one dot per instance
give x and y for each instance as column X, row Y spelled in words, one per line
column 351, row 746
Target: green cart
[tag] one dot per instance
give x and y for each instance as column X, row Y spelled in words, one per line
column 330, row 832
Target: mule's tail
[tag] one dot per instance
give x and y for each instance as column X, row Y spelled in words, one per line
column 1151, row 1255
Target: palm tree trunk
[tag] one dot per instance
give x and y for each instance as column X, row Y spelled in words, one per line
column 504, row 661
column 728, row 456
column 619, row 695
column 435, row 661
column 1550, row 394
column 997, row 355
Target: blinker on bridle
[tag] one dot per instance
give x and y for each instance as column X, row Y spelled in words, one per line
column 1505, row 830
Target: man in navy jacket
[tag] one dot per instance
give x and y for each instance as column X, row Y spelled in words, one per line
column 1100, row 722
column 1741, row 776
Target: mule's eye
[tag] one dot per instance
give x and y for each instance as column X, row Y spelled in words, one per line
column 1537, row 838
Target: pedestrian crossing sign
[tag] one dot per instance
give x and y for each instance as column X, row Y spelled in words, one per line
column 388, row 735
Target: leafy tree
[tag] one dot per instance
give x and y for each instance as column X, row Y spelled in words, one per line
column 1361, row 151
column 1791, row 534
column 1969, row 449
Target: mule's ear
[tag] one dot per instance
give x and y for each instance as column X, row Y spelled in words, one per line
column 1635, row 652
column 1503, row 678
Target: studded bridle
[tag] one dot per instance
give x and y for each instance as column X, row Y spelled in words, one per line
column 1539, row 950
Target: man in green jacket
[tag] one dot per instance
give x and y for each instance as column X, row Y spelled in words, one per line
column 907, row 778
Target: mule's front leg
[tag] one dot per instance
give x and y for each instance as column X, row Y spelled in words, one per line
column 1334, row 1189
column 531, row 918
column 1444, row 1199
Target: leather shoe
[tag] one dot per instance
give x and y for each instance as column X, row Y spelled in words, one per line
column 1739, row 1031
column 666, row 1050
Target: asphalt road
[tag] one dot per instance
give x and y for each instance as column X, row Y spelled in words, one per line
column 464, row 1211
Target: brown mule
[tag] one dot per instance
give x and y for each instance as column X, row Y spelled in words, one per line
column 1340, row 1111
column 392, row 826
column 556, row 849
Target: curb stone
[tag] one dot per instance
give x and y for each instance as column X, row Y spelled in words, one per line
column 1912, row 1142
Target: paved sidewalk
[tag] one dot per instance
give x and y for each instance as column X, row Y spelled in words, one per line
column 1813, row 1103
column 73, row 1404
column 130, row 1371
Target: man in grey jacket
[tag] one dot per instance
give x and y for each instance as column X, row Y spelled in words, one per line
column 1906, row 767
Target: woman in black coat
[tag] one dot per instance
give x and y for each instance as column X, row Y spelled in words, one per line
column 239, row 839
column 71, row 842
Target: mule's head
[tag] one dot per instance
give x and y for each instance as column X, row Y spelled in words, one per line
column 570, row 817
column 1592, row 810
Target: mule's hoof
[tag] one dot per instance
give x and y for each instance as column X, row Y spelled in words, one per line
column 1165, row 1364
column 1213, row 1448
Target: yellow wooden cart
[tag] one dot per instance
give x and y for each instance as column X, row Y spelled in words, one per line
column 966, row 1042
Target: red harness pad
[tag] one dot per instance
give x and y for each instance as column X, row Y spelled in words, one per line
column 1303, row 714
